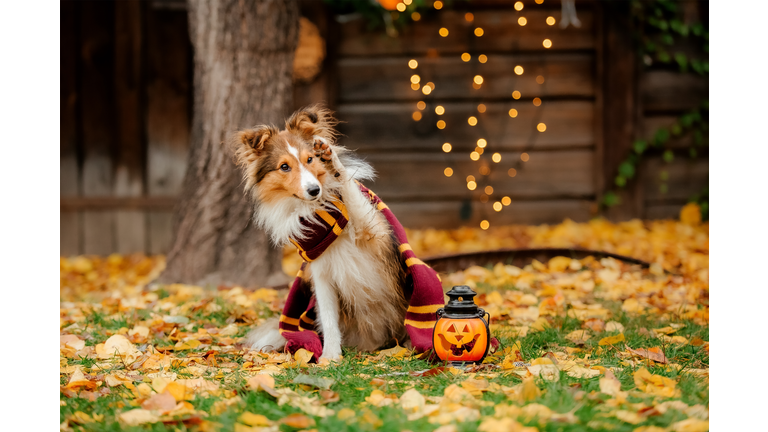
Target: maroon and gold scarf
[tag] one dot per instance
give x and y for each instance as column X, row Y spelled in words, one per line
column 297, row 323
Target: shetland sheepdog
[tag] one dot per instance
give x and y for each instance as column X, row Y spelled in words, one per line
column 358, row 281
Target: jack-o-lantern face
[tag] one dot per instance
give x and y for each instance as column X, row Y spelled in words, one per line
column 460, row 339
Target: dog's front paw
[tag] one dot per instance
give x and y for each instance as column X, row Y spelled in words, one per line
column 323, row 150
column 330, row 354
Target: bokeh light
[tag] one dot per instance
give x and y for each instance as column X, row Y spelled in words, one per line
column 519, row 70
column 547, row 43
column 518, row 6
column 470, row 178
column 413, row 64
column 551, row 20
column 479, row 31
column 484, row 170
column 524, row 157
column 497, row 206
column 447, row 147
column 506, row 201
column 516, row 94
column 484, row 224
column 513, row 113
column 489, row 190
column 415, row 79
column 478, row 79
column 541, row 127
column 540, row 79
column 466, row 57
column 482, row 143
column 481, row 108
column 400, row 7
column 512, row 172
column 496, row 157
column 479, row 150
column 472, row 120
column 522, row 21
column 438, row 5
column 421, row 105
column 448, row 172
column 426, row 89
column 416, row 115
column 415, row 16
column 441, row 124
column 469, row 16
column 474, row 155
column 482, row 58
column 439, row 110
column 443, row 31
column 536, row 101
column 471, row 185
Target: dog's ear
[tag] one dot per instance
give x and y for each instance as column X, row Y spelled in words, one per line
column 249, row 144
column 313, row 121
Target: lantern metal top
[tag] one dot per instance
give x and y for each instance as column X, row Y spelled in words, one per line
column 461, row 303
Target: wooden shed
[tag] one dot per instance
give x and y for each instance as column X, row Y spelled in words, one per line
column 126, row 106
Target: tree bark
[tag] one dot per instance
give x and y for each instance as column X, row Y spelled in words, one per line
column 243, row 59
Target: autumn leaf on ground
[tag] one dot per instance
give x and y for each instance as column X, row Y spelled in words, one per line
column 263, row 382
column 297, row 421
column 655, row 384
column 612, row 340
column 162, row 402
column 303, row 357
column 655, row 353
column 252, row 419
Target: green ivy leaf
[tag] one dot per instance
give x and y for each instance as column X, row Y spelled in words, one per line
column 668, row 156
column 667, row 38
column 610, row 199
column 676, row 129
column 627, row 170
column 662, row 135
column 620, row 181
column 640, row 146
column 682, row 61
column 697, row 29
column 664, row 175
column 663, row 57
column 692, row 152
column 698, row 139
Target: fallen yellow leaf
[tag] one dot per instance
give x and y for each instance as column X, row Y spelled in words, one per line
column 612, row 340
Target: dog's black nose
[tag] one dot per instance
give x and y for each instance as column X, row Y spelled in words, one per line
column 313, row 190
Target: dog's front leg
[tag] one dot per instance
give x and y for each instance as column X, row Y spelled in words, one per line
column 327, row 308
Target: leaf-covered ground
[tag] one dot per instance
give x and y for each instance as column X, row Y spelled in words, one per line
column 585, row 345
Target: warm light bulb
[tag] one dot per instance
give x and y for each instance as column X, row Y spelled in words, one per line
column 421, row 105
column 536, row 101
column 497, row 206
column 506, row 201
column 472, row 120
column 470, row 178
column 479, row 150
column 547, row 43
column 540, row 79
column 466, row 57
column 539, row 1
column 448, row 172
column 474, row 155
column 489, row 190
column 481, row 108
column 478, row 79
column 516, row 94
column 522, row 21
column 416, row 115
column 413, row 64
column 513, row 113
column 447, row 147
column 400, row 7
column 438, row 5
column 415, row 16
column 519, row 70
column 471, row 185
column 496, row 157
column 439, row 110
column 541, row 127
column 426, row 89
column 415, row 86
column 524, row 157
column 469, row 16
column 441, row 124
column 518, row 6
column 407, row 2
column 415, row 79
column 482, row 58
column 484, row 170
column 443, row 32
column 551, row 20
column 485, row 225
column 482, row 143
column 512, row 172
column 479, row 31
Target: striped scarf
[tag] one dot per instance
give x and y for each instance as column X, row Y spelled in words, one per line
column 297, row 322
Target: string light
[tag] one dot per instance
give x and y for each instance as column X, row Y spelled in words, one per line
column 469, row 16
column 479, row 150
column 489, row 190
column 466, row 57
column 497, row 206
column 416, row 115
column 541, row 127
column 484, row 224
column 400, row 7
column 512, row 172
column 496, row 157
column 407, row 2
column 524, row 157
column 536, row 101
column 551, row 20
column 448, row 172
column 539, row 1
column 474, row 155
column 482, row 143
column 519, row 70
column 421, row 105
column 472, row 120
column 413, row 64
column 481, row 108
column 470, row 178
column 540, row 79
column 479, row 31
column 484, row 170
column 516, row 94
column 426, row 89
column 547, row 43
column 478, row 79
column 522, row 21
column 476, row 86
column 415, row 79
column 438, row 5
column 471, row 185
column 483, row 198
column 439, row 110
column 482, row 58
column 518, row 6
column 506, row 201
column 447, row 147
column 441, row 124
column 415, row 16
column 513, row 113
column 443, row 32
column 415, row 86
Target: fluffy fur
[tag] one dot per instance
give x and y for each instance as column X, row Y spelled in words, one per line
column 358, row 280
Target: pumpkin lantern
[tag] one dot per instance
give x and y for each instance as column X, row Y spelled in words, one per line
column 461, row 333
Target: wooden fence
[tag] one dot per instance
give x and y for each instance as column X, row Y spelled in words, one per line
column 126, row 109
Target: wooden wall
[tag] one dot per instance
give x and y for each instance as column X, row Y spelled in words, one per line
column 126, row 107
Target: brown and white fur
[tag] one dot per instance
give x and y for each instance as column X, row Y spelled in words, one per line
column 358, row 280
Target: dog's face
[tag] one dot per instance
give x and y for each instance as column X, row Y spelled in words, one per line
column 281, row 165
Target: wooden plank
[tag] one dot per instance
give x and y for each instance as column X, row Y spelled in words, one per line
column 98, row 117
column 388, row 78
column 502, row 33
column 448, row 214
column 390, row 127
column 663, row 211
column 419, row 176
column 651, row 124
column 686, row 177
column 666, row 91
column 168, row 117
column 69, row 223
column 130, row 225
column 118, row 203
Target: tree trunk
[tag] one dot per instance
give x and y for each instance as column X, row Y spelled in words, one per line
column 243, row 59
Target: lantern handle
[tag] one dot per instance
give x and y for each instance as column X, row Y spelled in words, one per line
column 482, row 314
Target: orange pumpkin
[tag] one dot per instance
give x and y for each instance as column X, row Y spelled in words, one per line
column 461, row 334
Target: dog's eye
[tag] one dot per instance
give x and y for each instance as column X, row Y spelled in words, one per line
column 309, row 160
column 285, row 167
